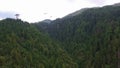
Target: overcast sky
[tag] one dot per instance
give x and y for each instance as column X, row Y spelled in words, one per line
column 37, row 10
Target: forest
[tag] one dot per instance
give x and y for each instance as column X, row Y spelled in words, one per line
column 90, row 39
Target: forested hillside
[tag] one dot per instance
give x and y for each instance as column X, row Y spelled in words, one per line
column 91, row 38
column 86, row 39
column 23, row 46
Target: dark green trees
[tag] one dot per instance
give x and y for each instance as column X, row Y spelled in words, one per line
column 23, row 46
column 87, row 40
column 90, row 38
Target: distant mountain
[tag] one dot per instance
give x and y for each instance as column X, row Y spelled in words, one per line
column 117, row 4
column 76, row 13
column 91, row 37
column 84, row 9
column 47, row 21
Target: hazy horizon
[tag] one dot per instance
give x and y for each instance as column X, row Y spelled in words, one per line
column 38, row 10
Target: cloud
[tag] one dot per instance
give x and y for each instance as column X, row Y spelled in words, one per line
column 97, row 2
column 71, row 0
column 7, row 14
column 35, row 10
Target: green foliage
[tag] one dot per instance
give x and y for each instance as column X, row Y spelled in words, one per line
column 91, row 38
column 23, row 46
column 88, row 40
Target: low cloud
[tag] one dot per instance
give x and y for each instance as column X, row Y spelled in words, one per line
column 7, row 14
column 97, row 2
column 71, row 0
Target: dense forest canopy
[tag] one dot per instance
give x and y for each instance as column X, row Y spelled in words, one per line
column 88, row 39
column 23, row 46
column 91, row 38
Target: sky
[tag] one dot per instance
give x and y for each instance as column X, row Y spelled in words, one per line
column 38, row 10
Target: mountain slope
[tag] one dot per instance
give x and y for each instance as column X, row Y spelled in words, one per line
column 23, row 46
column 91, row 38
column 76, row 13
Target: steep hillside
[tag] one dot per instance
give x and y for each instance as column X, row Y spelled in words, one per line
column 91, row 38
column 76, row 13
column 23, row 46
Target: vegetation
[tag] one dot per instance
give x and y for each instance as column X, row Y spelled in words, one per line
column 23, row 46
column 91, row 38
column 87, row 40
